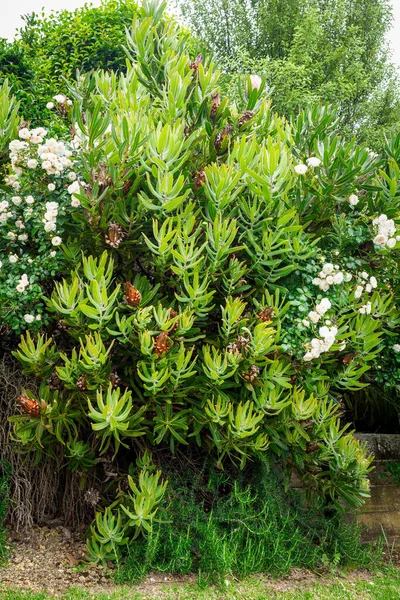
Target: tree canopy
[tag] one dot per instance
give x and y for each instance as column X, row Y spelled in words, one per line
column 329, row 51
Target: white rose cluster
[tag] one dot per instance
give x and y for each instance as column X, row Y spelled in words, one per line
column 72, row 190
column 365, row 309
column 330, row 275
column 368, row 284
column 30, row 318
column 5, row 214
column 386, row 232
column 23, row 283
column 302, row 168
column 320, row 310
column 55, row 157
column 50, row 216
column 60, row 99
column 320, row 345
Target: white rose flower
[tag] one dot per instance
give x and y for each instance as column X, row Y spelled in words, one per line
column 329, row 280
column 324, row 331
column 24, row 133
column 56, row 240
column 373, row 281
column 359, row 291
column 51, row 187
column 323, row 306
column 391, row 243
column 396, row 347
column 29, row 200
column 327, row 268
column 73, row 188
column 60, row 98
column 20, row 288
column 11, row 235
column 306, row 323
column 75, row 202
column 314, row 316
column 338, row 278
column 19, row 224
column 32, row 163
column 50, row 105
column 13, row 258
column 53, row 253
column 313, row 161
column 380, row 239
column 16, row 200
column 69, row 102
column 50, row 226
column 301, row 169
column 22, row 237
column 324, row 285
column 316, row 281
column 38, row 317
column 71, row 176
column 348, row 277
column 29, row 318
column 16, row 186
column 353, row 200
column 364, row 275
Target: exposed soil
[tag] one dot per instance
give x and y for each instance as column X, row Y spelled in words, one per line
column 52, row 560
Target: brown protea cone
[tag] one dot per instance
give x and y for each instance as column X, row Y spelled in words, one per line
column 266, row 314
column 54, row 382
column 347, row 359
column 92, row 496
column 251, row 374
column 233, row 347
column 199, row 179
column 242, row 342
column 172, row 315
column 216, row 102
column 195, row 64
column 115, row 379
column 29, row 406
column 115, row 235
column 81, row 384
column 102, row 176
column 161, row 344
column 246, row 117
column 311, row 447
column 222, row 138
column 132, row 295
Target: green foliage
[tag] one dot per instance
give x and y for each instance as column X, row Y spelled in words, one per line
column 221, row 524
column 221, row 279
column 49, row 48
column 326, row 52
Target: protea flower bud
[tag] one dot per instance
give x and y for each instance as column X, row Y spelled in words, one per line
column 255, row 82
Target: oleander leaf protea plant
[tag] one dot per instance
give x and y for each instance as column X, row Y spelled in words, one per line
column 225, row 277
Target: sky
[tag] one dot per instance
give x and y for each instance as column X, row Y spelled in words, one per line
column 10, row 20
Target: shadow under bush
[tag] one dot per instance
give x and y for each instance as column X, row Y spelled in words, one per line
column 219, row 523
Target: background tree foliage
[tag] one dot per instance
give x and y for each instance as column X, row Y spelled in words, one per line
column 52, row 47
column 330, row 51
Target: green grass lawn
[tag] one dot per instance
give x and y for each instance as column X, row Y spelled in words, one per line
column 380, row 587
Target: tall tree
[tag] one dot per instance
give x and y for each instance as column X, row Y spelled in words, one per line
column 330, row 51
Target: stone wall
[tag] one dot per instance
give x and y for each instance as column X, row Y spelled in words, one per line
column 381, row 512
